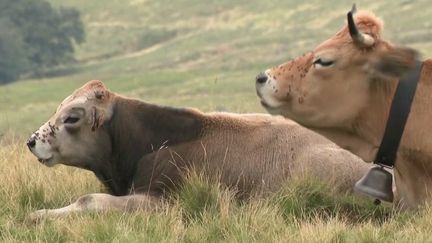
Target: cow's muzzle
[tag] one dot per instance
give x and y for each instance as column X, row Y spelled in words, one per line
column 31, row 143
column 261, row 78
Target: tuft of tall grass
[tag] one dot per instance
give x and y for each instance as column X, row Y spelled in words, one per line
column 308, row 199
column 201, row 210
column 199, row 195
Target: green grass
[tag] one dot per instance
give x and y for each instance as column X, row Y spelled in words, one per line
column 196, row 53
column 203, row 54
column 201, row 211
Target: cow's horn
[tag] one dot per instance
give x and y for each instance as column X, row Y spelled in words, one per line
column 357, row 36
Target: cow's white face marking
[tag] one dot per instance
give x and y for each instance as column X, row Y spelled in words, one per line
column 43, row 148
column 327, row 86
column 268, row 90
column 71, row 136
column 51, row 137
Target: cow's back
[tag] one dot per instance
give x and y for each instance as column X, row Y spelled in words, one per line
column 260, row 152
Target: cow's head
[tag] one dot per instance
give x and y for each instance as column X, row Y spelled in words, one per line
column 73, row 135
column 330, row 85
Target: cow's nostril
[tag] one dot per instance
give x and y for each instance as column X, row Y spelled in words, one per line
column 31, row 142
column 261, row 78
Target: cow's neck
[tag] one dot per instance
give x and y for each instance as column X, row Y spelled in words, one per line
column 137, row 129
column 411, row 169
column 364, row 133
column 371, row 122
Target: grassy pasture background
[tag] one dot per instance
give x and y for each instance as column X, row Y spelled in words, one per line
column 196, row 53
column 205, row 54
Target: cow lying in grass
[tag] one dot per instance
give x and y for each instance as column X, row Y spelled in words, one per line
column 343, row 89
column 141, row 151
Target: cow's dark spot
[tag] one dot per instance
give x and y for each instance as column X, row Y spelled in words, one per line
column 53, row 131
column 99, row 94
column 84, row 200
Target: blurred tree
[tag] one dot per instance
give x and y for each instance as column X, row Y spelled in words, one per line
column 36, row 36
column 13, row 59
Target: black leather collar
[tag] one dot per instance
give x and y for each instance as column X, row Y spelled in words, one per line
column 399, row 111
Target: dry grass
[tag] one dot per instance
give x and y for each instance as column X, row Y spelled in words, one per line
column 210, row 63
column 201, row 211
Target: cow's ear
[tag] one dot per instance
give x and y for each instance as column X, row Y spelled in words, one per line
column 97, row 118
column 392, row 64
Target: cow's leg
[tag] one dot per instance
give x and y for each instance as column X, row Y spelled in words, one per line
column 98, row 202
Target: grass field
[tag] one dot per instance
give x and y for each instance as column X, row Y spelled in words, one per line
column 203, row 54
column 303, row 211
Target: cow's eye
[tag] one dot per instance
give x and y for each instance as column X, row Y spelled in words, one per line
column 71, row 120
column 323, row 63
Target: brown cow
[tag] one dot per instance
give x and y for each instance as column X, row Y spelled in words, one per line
column 343, row 89
column 140, row 151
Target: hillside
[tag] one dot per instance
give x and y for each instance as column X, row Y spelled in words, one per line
column 196, row 53
column 205, row 54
